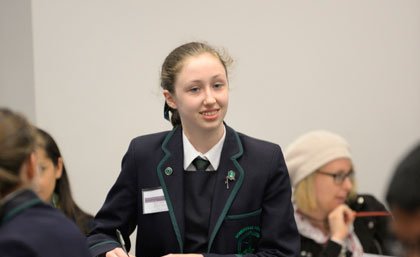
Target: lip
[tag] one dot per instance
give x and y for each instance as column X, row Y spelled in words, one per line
column 210, row 114
column 341, row 199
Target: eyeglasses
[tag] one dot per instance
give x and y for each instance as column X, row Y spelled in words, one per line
column 339, row 177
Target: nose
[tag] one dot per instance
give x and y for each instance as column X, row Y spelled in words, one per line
column 209, row 96
column 347, row 183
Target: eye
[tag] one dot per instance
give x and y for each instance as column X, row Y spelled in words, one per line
column 218, row 85
column 194, row 89
column 42, row 168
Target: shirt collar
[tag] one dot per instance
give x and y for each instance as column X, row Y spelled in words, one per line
column 213, row 155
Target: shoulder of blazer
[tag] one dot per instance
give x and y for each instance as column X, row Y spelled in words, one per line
column 254, row 144
column 148, row 142
column 151, row 138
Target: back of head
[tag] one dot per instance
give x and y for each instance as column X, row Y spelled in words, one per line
column 313, row 150
column 17, row 142
column 403, row 191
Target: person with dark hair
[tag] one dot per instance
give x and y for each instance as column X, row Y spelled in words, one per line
column 323, row 178
column 28, row 226
column 202, row 188
column 53, row 185
column 403, row 198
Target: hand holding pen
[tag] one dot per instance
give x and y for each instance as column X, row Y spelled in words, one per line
column 119, row 252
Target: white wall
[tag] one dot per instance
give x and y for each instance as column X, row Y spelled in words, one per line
column 16, row 57
column 348, row 66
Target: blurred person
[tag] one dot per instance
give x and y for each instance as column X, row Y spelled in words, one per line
column 403, row 198
column 322, row 175
column 28, row 226
column 53, row 185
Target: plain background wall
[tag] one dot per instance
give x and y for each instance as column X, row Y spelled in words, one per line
column 16, row 57
column 348, row 66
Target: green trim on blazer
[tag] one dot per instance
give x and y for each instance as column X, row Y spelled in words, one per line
column 103, row 243
column 232, row 194
column 244, row 215
column 20, row 208
column 165, row 189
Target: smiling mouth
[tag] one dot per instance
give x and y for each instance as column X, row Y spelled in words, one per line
column 209, row 113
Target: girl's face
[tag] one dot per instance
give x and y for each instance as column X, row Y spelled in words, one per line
column 48, row 175
column 329, row 193
column 201, row 94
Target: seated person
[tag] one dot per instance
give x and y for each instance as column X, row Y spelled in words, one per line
column 28, row 226
column 403, row 198
column 322, row 176
column 53, row 185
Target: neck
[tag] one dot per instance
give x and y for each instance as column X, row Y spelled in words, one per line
column 317, row 220
column 203, row 142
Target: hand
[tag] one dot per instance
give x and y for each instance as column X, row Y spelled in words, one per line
column 339, row 221
column 117, row 252
column 183, row 255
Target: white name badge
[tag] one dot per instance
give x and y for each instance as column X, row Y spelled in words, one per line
column 153, row 200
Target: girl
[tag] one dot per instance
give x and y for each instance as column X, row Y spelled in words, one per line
column 202, row 188
column 53, row 185
column 29, row 227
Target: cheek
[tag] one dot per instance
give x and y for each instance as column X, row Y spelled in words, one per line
column 47, row 181
column 223, row 99
column 324, row 193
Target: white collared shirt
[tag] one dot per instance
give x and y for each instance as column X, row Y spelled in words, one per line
column 213, row 155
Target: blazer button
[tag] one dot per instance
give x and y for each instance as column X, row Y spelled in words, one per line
column 169, row 171
column 371, row 225
column 360, row 200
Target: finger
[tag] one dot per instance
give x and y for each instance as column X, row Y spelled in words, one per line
column 116, row 252
column 120, row 252
column 111, row 254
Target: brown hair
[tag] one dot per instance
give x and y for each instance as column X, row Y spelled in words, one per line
column 17, row 142
column 64, row 199
column 173, row 64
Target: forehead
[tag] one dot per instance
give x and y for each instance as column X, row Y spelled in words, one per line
column 341, row 164
column 201, row 62
column 41, row 153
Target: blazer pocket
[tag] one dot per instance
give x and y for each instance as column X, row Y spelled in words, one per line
column 244, row 230
column 255, row 213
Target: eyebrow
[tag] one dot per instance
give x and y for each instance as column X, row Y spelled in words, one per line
column 198, row 80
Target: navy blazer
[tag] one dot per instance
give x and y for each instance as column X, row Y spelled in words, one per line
column 253, row 216
column 30, row 227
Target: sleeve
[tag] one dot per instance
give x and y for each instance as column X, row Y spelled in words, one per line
column 331, row 249
column 15, row 248
column 279, row 234
column 118, row 211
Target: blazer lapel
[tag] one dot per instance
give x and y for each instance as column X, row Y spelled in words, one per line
column 225, row 194
column 170, row 173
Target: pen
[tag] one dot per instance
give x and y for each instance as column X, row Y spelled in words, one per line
column 372, row 213
column 121, row 240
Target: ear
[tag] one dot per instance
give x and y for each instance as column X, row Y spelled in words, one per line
column 169, row 99
column 59, row 168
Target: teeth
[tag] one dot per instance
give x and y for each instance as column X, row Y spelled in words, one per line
column 209, row 113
